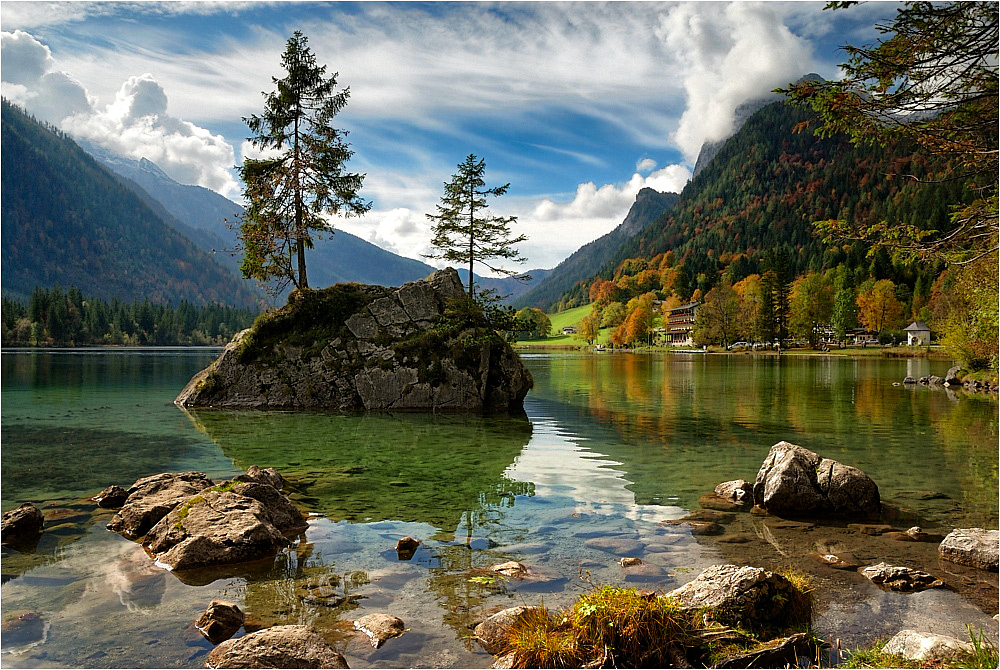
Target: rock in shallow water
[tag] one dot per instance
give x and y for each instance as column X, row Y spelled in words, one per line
column 422, row 346
column 975, row 547
column 22, row 524
column 380, row 627
column 219, row 621
column 151, row 498
column 492, row 633
column 219, row 527
column 796, row 482
column 899, row 578
column 277, row 647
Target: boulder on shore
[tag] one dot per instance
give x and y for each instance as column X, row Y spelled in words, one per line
column 277, row 647
column 743, row 596
column 151, row 498
column 22, row 524
column 796, row 482
column 917, row 646
column 975, row 547
column 423, row 346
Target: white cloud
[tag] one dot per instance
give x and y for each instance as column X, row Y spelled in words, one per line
column 135, row 124
column 733, row 53
column 645, row 165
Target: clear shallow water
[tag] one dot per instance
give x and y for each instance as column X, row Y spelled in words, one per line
column 610, row 446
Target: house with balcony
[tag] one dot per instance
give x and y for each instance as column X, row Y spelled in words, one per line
column 678, row 324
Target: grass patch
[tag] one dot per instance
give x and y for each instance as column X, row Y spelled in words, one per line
column 610, row 627
column 617, row 627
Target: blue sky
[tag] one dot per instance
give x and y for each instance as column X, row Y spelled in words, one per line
column 577, row 105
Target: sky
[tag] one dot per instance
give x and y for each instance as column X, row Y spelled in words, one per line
column 577, row 105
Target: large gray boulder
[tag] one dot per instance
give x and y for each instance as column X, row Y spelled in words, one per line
column 975, row 547
column 277, row 647
column 151, row 498
column 796, row 482
column 743, row 596
column 227, row 524
column 422, row 346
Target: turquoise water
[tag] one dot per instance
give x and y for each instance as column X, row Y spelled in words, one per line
column 610, row 446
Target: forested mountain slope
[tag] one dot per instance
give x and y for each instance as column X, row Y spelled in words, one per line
column 763, row 191
column 68, row 221
column 649, row 206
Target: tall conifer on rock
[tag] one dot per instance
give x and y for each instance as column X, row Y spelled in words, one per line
column 301, row 176
column 464, row 232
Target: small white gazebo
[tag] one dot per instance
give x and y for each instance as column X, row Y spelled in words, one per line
column 918, row 334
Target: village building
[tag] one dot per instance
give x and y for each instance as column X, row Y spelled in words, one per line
column 678, row 323
column 918, row 334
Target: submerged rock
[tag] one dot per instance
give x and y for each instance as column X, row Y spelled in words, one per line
column 151, row 498
column 899, row 578
column 796, row 482
column 277, row 647
column 422, row 346
column 220, row 621
column 511, row 569
column 975, row 547
column 22, row 524
column 380, row 627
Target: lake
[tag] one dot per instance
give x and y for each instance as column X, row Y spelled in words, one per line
column 611, row 447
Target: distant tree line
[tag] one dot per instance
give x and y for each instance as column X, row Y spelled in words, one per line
column 54, row 317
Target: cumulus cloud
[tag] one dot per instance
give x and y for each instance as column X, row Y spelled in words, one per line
column 645, row 165
column 135, row 124
column 736, row 52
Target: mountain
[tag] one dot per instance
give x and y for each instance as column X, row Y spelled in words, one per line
column 761, row 194
column 205, row 217
column 341, row 258
column 68, row 221
column 649, row 205
column 742, row 114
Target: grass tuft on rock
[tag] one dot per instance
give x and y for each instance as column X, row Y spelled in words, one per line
column 619, row 627
column 610, row 627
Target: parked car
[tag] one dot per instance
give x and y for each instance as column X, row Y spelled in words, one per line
column 736, row 346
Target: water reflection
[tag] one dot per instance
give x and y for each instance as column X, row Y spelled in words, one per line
column 678, row 425
column 423, row 468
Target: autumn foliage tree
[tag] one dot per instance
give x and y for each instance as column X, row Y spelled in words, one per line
column 878, row 307
column 931, row 78
column 811, row 306
column 717, row 320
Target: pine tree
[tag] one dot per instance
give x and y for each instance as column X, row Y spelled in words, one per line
column 463, row 232
column 288, row 195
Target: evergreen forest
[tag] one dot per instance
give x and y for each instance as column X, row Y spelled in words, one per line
column 53, row 317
